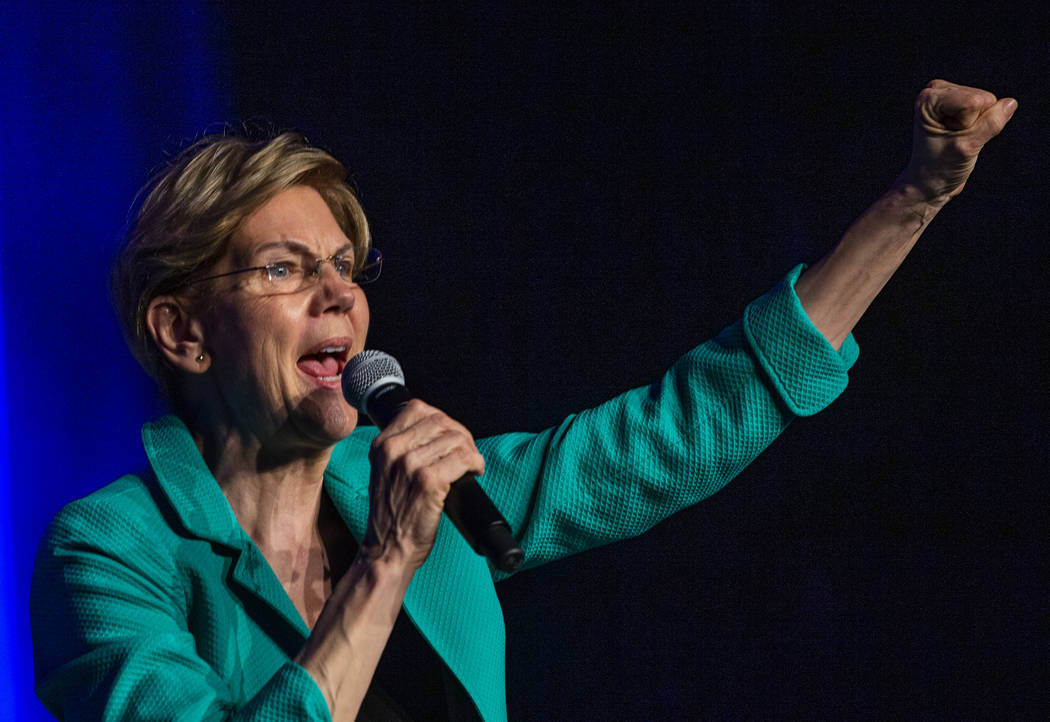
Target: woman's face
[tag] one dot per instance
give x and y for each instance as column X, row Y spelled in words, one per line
column 276, row 358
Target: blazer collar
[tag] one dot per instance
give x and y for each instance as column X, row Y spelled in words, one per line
column 187, row 482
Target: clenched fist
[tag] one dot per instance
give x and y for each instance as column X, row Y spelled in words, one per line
column 415, row 460
column 952, row 124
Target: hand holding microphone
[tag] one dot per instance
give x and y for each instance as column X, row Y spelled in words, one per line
column 374, row 383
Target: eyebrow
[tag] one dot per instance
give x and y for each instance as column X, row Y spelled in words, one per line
column 298, row 247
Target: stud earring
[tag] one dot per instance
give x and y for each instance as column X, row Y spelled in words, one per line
column 200, row 357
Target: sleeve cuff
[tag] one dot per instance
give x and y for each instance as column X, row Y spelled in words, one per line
column 291, row 694
column 806, row 371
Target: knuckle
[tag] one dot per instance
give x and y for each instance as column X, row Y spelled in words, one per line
column 925, row 96
column 470, row 456
column 398, row 469
column 461, row 433
column 444, row 422
column 429, row 478
column 464, row 447
column 416, row 407
column 382, row 448
column 457, row 435
column 410, row 462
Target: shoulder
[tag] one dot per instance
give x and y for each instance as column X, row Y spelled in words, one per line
column 124, row 502
column 103, row 558
column 126, row 520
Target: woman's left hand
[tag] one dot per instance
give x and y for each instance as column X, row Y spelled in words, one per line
column 952, row 124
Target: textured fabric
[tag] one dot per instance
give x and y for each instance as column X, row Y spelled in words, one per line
column 768, row 323
column 150, row 602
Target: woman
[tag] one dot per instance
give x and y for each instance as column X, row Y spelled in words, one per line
column 264, row 567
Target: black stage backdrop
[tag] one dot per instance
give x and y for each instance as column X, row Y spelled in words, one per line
column 569, row 196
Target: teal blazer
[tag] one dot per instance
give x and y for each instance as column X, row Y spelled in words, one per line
column 149, row 601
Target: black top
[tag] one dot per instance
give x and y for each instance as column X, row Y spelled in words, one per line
column 413, row 683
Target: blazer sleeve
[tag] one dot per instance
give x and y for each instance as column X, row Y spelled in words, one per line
column 110, row 636
column 614, row 471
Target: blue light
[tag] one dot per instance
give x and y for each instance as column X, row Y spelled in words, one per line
column 9, row 632
column 94, row 93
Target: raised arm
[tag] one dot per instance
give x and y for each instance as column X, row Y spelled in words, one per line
column 952, row 124
column 615, row 470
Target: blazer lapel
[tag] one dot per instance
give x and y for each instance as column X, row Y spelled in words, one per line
column 205, row 513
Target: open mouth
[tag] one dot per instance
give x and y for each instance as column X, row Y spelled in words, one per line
column 325, row 362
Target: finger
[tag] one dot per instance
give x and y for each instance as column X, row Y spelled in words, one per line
column 990, row 124
column 421, row 418
column 413, row 412
column 960, row 108
column 944, row 106
column 946, row 89
column 422, row 428
column 996, row 117
column 457, row 444
column 454, row 443
column 413, row 426
column 442, row 472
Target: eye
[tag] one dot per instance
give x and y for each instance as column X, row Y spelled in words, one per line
column 343, row 266
column 282, row 270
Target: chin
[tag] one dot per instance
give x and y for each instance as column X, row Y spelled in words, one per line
column 325, row 421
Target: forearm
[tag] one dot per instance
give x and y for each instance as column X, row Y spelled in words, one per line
column 837, row 291
column 952, row 125
column 345, row 646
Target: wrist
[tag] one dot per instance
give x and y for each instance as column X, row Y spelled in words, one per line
column 910, row 189
column 383, row 567
column 349, row 637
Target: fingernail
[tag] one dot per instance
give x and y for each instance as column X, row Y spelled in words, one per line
column 1010, row 107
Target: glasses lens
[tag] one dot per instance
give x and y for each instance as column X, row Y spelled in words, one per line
column 373, row 265
column 344, row 267
column 284, row 277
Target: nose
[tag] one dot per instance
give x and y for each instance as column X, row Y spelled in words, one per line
column 333, row 292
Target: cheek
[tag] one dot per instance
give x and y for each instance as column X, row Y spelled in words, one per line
column 250, row 334
column 360, row 317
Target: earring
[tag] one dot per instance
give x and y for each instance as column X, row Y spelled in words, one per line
column 200, row 357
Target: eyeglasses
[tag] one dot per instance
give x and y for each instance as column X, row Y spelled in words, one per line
column 290, row 275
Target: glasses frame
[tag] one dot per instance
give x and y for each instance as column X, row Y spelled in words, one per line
column 375, row 260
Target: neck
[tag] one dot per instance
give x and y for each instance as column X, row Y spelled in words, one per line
column 273, row 488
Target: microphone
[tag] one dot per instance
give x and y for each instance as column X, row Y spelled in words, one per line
column 374, row 383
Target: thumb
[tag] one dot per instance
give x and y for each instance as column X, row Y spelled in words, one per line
column 994, row 119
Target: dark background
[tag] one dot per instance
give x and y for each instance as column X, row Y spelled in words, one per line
column 568, row 197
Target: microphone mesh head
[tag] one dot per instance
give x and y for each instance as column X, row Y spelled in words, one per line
column 367, row 370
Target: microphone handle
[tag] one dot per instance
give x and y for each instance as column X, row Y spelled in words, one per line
column 467, row 505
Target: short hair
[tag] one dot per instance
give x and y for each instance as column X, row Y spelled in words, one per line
column 193, row 206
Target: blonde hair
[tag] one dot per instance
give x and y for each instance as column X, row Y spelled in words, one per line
column 193, row 206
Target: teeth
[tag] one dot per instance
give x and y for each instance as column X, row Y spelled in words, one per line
column 333, row 349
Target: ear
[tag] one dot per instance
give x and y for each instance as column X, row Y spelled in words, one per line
column 178, row 334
